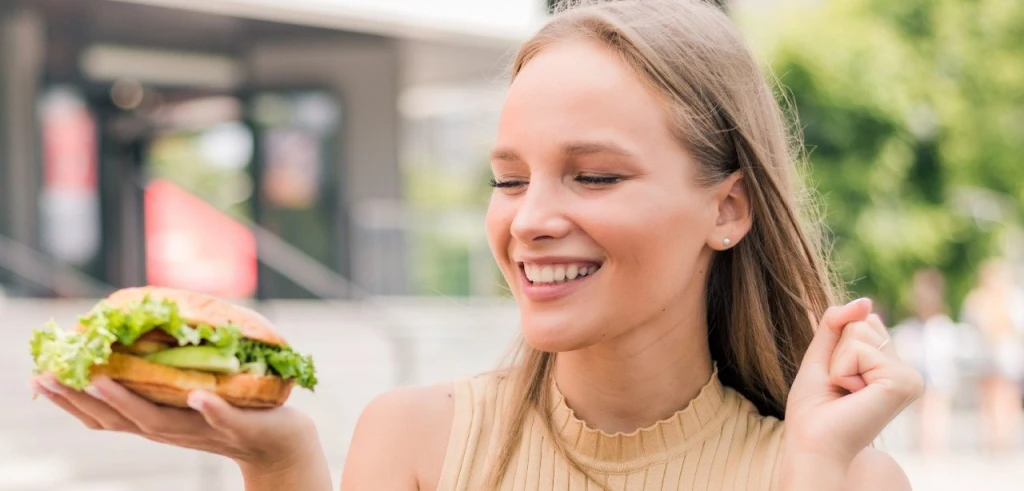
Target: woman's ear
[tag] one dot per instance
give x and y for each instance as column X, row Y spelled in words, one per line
column 733, row 218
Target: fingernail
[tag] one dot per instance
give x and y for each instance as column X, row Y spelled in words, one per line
column 859, row 301
column 95, row 392
column 195, row 402
column 36, row 389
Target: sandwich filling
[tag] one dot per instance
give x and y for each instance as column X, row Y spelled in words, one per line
column 154, row 330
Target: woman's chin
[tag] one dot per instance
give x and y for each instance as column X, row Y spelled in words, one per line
column 556, row 337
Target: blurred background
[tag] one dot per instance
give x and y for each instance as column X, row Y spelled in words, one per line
column 326, row 162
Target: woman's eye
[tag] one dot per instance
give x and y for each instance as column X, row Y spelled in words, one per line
column 582, row 178
column 511, row 183
column 595, row 179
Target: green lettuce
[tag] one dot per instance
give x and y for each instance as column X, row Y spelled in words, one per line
column 281, row 360
column 70, row 355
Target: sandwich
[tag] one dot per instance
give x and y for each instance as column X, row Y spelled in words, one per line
column 162, row 343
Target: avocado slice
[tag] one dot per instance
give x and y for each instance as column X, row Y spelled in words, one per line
column 205, row 358
column 255, row 368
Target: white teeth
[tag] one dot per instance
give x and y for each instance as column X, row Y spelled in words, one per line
column 547, row 274
column 556, row 273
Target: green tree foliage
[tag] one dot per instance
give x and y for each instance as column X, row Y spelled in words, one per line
column 912, row 115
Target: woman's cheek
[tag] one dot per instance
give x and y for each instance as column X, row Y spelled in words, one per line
column 497, row 223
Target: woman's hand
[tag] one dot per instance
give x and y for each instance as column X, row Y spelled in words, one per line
column 851, row 384
column 268, row 445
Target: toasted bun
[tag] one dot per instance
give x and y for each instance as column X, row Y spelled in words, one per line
column 171, row 386
column 198, row 307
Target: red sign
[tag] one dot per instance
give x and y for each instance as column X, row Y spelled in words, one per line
column 192, row 245
column 69, row 143
column 69, row 199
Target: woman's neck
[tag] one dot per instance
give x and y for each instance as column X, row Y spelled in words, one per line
column 633, row 382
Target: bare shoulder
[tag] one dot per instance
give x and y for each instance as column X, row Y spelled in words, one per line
column 401, row 439
column 875, row 470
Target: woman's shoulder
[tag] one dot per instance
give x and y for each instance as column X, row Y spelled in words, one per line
column 413, row 399
column 401, row 438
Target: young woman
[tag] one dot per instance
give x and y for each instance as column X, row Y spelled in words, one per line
column 929, row 341
column 674, row 307
column 996, row 308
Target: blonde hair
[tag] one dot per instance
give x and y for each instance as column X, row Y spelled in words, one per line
column 763, row 295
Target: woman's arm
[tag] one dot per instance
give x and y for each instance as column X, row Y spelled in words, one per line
column 870, row 470
column 400, row 440
column 850, row 386
column 276, row 449
column 874, row 470
column 306, row 470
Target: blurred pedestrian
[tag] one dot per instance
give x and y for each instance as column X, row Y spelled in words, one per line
column 996, row 308
column 929, row 341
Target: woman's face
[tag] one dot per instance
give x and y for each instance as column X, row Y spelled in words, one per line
column 597, row 223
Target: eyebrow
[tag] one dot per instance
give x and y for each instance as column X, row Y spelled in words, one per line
column 571, row 149
column 576, row 149
column 506, row 154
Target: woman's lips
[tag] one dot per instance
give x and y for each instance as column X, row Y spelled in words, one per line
column 553, row 280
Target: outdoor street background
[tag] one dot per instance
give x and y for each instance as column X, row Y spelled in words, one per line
column 326, row 162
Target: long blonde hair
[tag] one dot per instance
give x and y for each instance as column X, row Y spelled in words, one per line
column 764, row 294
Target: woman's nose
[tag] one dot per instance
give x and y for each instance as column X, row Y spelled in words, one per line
column 540, row 214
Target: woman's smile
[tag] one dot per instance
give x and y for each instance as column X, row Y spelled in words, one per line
column 549, row 279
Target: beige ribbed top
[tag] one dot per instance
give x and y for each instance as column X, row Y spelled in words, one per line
column 718, row 442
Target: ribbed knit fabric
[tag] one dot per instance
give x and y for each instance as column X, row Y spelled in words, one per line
column 718, row 442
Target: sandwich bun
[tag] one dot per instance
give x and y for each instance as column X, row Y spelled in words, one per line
column 169, row 385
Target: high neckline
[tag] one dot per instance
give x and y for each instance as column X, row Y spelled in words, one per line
column 662, row 441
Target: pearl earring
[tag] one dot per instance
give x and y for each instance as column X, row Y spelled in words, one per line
column 726, row 241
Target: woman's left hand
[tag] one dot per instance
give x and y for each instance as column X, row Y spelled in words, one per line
column 850, row 385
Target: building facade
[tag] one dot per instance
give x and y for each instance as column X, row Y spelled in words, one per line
column 219, row 146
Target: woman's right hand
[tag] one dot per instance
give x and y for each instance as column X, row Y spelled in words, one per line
column 268, row 444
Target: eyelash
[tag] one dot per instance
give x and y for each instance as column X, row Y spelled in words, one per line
column 584, row 179
column 597, row 179
column 505, row 184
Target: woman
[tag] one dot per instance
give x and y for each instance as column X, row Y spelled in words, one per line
column 645, row 219
column 996, row 308
column 930, row 340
